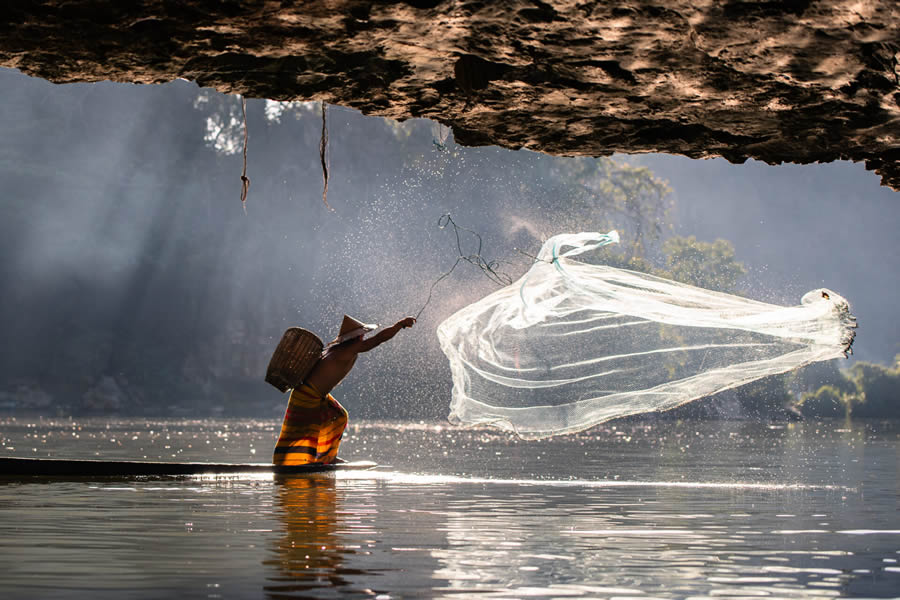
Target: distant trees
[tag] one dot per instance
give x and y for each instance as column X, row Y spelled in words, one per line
column 708, row 265
column 827, row 401
column 602, row 193
column 877, row 389
column 864, row 390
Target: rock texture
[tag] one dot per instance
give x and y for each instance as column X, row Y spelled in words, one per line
column 793, row 80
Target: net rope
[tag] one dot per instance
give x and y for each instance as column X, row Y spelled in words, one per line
column 572, row 344
column 490, row 268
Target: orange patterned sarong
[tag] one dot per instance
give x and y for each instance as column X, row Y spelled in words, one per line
column 312, row 428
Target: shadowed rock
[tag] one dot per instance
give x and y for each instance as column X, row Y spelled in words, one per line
column 795, row 81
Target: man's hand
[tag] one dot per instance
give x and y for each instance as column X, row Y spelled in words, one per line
column 407, row 322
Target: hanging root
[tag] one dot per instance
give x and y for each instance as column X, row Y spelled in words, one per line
column 245, row 181
column 323, row 146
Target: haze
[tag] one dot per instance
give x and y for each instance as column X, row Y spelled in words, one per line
column 127, row 259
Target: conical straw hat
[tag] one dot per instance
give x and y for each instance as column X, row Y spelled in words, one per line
column 351, row 328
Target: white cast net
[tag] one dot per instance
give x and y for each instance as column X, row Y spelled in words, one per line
column 573, row 344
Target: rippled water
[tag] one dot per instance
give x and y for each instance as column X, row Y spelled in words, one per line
column 672, row 510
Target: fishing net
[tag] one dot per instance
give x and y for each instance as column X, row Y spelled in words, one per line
column 572, row 344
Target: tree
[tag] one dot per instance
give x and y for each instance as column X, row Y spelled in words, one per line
column 827, row 401
column 707, row 265
column 878, row 389
column 864, row 390
column 611, row 194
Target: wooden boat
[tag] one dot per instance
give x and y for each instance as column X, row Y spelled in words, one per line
column 55, row 467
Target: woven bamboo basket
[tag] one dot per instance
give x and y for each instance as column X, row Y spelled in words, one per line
column 297, row 352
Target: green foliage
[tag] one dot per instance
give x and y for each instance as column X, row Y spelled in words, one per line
column 708, row 265
column 878, row 390
column 828, row 401
column 865, row 390
column 599, row 194
column 811, row 377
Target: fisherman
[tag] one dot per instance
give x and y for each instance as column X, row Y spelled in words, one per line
column 314, row 421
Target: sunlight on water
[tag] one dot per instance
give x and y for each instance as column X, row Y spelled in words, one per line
column 413, row 479
column 669, row 510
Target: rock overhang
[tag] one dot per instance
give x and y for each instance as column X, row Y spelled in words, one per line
column 797, row 81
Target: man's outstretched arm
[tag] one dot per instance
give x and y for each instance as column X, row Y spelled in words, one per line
column 385, row 334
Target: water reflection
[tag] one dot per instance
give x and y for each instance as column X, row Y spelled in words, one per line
column 664, row 541
column 309, row 554
column 675, row 510
column 356, row 535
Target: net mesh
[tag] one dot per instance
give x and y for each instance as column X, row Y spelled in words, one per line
column 572, row 344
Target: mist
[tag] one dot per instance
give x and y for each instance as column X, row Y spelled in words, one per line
column 135, row 280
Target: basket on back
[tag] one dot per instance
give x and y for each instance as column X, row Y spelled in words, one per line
column 297, row 352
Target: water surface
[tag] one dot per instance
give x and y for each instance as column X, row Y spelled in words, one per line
column 671, row 510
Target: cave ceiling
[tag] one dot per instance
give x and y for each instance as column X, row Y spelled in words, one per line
column 778, row 81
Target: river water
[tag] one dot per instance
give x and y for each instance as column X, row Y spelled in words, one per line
column 663, row 510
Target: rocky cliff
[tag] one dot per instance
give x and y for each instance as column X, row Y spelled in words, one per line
column 787, row 81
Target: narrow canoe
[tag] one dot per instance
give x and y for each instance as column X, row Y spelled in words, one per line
column 125, row 468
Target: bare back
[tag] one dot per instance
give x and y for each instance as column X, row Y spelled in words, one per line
column 338, row 360
column 334, row 365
